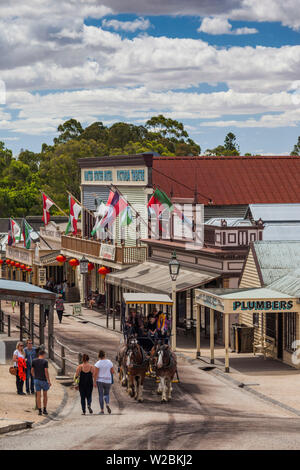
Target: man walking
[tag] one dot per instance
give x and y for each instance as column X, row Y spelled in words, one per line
column 60, row 307
column 103, row 378
column 40, row 373
column 30, row 355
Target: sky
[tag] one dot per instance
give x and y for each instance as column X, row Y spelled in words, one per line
column 217, row 66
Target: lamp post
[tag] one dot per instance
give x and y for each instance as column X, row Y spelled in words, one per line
column 84, row 269
column 174, row 267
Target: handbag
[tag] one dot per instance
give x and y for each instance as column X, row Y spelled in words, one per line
column 76, row 381
column 13, row 370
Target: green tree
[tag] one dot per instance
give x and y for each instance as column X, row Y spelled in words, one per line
column 296, row 149
column 69, row 130
column 230, row 147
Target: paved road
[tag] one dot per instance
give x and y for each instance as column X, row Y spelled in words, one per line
column 205, row 412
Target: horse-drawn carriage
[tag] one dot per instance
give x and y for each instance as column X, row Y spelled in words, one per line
column 142, row 353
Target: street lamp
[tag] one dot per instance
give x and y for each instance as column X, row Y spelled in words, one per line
column 84, row 269
column 174, row 267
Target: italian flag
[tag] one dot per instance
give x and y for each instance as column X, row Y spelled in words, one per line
column 75, row 210
column 47, row 203
column 27, row 229
column 14, row 232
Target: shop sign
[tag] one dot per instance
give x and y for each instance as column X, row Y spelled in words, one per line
column 210, row 301
column 107, row 252
column 274, row 305
column 134, row 175
column 42, row 277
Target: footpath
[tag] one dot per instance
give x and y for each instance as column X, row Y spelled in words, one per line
column 269, row 380
column 18, row 411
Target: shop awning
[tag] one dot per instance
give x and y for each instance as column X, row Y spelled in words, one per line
column 140, row 298
column 154, row 277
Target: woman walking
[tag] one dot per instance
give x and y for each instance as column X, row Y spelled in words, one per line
column 59, row 304
column 85, row 372
column 20, row 364
column 103, row 378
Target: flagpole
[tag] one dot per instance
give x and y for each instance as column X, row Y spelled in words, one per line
column 54, row 203
column 39, row 235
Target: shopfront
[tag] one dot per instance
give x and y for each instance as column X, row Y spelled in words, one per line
column 273, row 315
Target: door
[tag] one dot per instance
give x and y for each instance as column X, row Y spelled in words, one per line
column 279, row 336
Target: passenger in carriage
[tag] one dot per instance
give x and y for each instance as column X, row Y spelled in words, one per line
column 163, row 327
column 136, row 323
column 152, row 326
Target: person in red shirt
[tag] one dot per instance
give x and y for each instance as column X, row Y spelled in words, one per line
column 59, row 305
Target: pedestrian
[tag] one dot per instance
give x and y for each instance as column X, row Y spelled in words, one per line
column 41, row 376
column 103, row 378
column 59, row 304
column 46, row 313
column 13, row 303
column 30, row 354
column 20, row 364
column 85, row 374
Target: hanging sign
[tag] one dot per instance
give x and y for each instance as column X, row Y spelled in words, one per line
column 107, row 252
column 42, row 276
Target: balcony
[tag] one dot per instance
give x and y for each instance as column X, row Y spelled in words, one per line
column 119, row 254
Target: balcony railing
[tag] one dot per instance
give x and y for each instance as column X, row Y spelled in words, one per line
column 122, row 254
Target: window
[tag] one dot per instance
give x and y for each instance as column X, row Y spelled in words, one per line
column 289, row 331
column 256, row 319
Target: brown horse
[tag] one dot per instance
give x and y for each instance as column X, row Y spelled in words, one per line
column 164, row 362
column 137, row 365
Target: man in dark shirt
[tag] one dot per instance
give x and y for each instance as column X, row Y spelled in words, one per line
column 40, row 373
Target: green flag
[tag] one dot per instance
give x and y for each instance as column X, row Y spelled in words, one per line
column 126, row 217
column 27, row 230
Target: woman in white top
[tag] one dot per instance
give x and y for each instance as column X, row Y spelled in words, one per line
column 103, row 378
column 19, row 353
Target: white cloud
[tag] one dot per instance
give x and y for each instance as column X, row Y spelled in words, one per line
column 218, row 25
column 128, row 26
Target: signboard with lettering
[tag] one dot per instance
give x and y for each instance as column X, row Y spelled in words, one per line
column 77, row 309
column 107, row 252
column 42, row 276
column 264, row 305
column 209, row 301
column 118, row 176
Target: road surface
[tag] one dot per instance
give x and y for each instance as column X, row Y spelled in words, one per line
column 205, row 412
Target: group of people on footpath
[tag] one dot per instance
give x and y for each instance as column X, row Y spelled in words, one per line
column 32, row 368
column 100, row 376
column 57, row 288
column 157, row 326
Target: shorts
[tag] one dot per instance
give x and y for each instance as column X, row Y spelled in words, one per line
column 41, row 385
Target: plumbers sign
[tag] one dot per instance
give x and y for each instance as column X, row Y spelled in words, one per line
column 263, row 305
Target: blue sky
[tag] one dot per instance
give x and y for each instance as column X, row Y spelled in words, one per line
column 217, row 68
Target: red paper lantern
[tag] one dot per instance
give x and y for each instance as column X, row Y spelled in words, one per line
column 28, row 269
column 74, row 262
column 61, row 259
column 103, row 271
column 22, row 266
column 91, row 266
column 12, row 263
column 1, row 261
column 17, row 265
column 8, row 262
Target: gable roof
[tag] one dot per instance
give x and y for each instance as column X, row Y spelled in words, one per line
column 230, row 180
column 275, row 212
column 275, row 259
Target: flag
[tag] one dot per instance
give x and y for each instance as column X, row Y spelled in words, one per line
column 115, row 205
column 27, row 229
column 158, row 202
column 14, row 232
column 126, row 217
column 47, row 203
column 75, row 210
column 101, row 209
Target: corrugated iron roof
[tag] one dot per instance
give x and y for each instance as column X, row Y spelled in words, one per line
column 289, row 284
column 154, row 277
column 275, row 212
column 276, row 258
column 283, row 231
column 230, row 180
